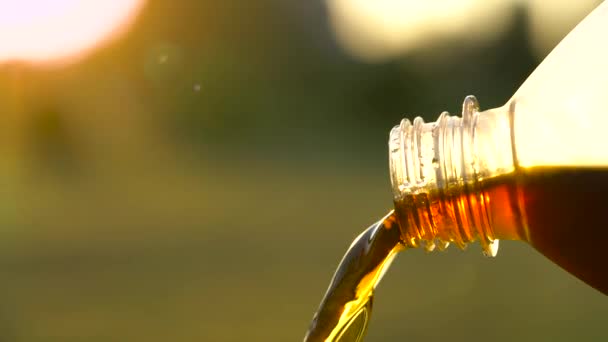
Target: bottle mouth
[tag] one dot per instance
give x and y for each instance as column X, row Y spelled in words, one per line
column 435, row 173
column 412, row 159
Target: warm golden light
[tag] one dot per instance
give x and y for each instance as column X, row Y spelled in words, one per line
column 56, row 30
column 550, row 21
column 381, row 29
column 560, row 110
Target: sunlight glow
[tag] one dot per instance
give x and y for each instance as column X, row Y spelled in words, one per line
column 377, row 30
column 380, row 29
column 56, row 30
column 550, row 21
column 562, row 105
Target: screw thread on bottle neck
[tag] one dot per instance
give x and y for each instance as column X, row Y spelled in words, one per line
column 435, row 174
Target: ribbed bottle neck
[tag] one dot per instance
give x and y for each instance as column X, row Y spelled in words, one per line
column 436, row 174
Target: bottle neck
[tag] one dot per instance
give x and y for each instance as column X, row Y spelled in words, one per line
column 437, row 170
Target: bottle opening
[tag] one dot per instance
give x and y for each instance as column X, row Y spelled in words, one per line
column 437, row 170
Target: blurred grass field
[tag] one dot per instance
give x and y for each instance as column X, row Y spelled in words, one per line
column 253, row 263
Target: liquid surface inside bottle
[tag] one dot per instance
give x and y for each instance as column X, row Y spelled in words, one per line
column 560, row 211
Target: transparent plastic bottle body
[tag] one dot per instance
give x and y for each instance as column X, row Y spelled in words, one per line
column 535, row 169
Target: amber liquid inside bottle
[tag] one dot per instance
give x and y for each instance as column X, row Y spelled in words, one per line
column 565, row 213
column 560, row 211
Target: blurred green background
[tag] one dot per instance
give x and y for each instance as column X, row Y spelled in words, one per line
column 200, row 177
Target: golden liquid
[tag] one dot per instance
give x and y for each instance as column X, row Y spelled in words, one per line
column 346, row 308
column 561, row 212
column 564, row 213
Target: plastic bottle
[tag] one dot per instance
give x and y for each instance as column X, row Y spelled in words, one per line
column 535, row 169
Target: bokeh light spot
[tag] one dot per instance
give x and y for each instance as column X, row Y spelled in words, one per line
column 60, row 30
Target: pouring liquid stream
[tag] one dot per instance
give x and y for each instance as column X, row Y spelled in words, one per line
column 345, row 310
